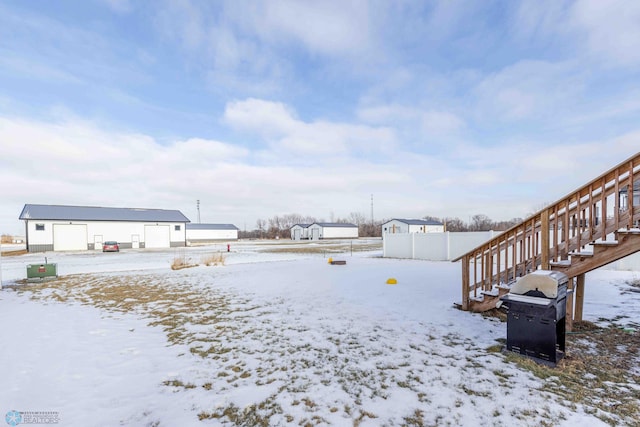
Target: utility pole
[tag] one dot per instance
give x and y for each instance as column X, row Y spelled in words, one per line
column 372, row 209
column 198, row 207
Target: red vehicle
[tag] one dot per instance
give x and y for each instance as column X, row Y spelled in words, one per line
column 110, row 246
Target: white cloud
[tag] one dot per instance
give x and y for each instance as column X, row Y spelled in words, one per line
column 37, row 70
column 119, row 6
column 261, row 116
column 76, row 162
column 99, row 166
column 612, row 28
column 287, row 134
column 593, row 30
column 550, row 167
column 251, row 47
column 529, row 89
column 387, row 113
column 183, row 21
column 327, row 27
column 441, row 122
column 539, row 19
column 434, row 126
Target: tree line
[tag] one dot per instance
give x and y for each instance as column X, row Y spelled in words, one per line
column 279, row 226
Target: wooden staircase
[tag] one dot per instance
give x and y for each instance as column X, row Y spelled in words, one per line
column 627, row 242
column 591, row 227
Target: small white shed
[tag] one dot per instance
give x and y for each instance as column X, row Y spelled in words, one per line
column 209, row 233
column 412, row 226
column 332, row 230
column 300, row 232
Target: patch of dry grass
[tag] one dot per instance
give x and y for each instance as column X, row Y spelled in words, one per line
column 253, row 415
column 168, row 306
column 599, row 371
column 180, row 261
column 216, row 258
column 328, row 248
column 15, row 252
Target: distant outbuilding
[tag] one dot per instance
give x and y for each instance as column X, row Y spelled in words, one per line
column 81, row 228
column 210, row 233
column 332, row 230
column 300, row 232
column 412, row 226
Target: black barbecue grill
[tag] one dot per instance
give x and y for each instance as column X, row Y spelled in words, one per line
column 537, row 306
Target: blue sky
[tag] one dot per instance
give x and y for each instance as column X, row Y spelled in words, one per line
column 260, row 108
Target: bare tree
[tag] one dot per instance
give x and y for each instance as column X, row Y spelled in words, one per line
column 505, row 225
column 357, row 218
column 261, row 225
column 454, row 224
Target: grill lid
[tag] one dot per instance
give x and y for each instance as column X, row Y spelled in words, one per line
column 539, row 282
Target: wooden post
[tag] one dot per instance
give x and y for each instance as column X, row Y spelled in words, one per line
column 465, row 282
column 544, row 230
column 579, row 296
column 569, row 318
column 630, row 196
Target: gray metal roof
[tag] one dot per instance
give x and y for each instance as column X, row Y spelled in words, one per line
column 95, row 213
column 211, row 227
column 301, row 225
column 417, row 221
column 335, row 224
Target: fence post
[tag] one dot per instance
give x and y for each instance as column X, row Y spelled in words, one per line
column 413, row 245
column 465, row 282
column 384, row 246
column 544, row 230
column 579, row 302
column 569, row 314
column 448, row 245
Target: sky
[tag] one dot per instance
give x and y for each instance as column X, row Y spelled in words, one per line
column 263, row 108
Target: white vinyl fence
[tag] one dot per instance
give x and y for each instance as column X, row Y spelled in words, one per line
column 432, row 246
column 629, row 263
column 450, row 245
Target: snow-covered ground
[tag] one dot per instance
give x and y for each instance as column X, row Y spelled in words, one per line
column 270, row 338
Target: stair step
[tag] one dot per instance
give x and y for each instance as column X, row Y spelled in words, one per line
column 606, row 243
column 565, row 263
column 601, row 247
column 581, row 254
column 632, row 231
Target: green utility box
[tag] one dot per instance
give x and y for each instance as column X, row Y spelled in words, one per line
column 42, row 271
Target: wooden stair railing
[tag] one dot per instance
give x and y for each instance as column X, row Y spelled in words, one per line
column 556, row 237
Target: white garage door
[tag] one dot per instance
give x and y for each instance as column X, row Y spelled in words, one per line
column 156, row 236
column 69, row 237
column 315, row 234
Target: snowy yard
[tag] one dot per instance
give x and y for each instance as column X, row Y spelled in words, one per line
column 279, row 337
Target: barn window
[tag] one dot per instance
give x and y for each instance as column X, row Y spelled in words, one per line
column 177, row 228
column 39, row 227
